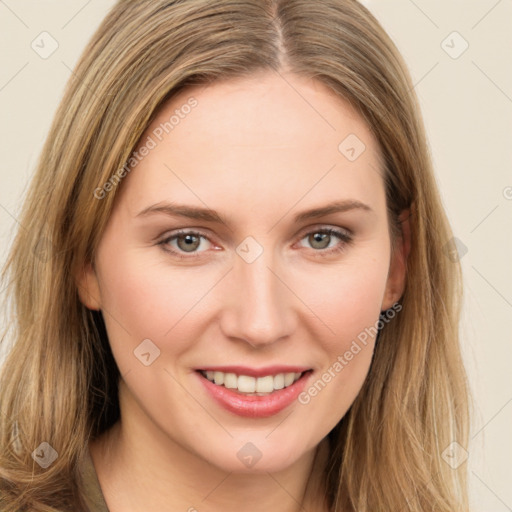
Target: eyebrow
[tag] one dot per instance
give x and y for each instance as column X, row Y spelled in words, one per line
column 208, row 215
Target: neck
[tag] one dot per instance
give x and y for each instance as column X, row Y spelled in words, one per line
column 140, row 468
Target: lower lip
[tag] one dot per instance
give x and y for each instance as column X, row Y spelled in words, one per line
column 255, row 406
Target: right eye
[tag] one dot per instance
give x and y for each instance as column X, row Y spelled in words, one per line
column 187, row 242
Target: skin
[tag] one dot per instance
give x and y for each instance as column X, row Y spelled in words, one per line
column 257, row 150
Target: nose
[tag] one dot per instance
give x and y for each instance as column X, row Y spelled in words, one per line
column 259, row 306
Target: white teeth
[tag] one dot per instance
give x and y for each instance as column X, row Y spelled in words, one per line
column 252, row 385
column 230, row 380
column 265, row 384
column 288, row 378
column 246, row 384
column 279, row 381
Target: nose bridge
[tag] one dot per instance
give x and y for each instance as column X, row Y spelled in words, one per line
column 261, row 309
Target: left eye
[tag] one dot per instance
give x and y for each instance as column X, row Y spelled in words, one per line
column 318, row 237
column 190, row 241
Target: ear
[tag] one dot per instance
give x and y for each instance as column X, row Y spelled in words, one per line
column 88, row 287
column 397, row 273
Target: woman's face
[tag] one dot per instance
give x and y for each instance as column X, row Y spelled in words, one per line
column 217, row 258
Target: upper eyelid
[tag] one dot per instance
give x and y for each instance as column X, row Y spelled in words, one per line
column 301, row 234
column 306, row 230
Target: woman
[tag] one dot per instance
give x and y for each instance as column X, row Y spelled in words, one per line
column 185, row 338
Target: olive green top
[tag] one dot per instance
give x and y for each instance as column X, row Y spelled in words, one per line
column 95, row 499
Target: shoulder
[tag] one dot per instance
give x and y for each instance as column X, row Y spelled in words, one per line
column 93, row 493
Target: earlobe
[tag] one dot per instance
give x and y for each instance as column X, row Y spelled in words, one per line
column 397, row 274
column 88, row 287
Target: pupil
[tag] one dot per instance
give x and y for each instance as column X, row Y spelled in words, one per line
column 190, row 241
column 319, row 237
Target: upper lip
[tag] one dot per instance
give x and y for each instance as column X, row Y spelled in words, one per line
column 256, row 372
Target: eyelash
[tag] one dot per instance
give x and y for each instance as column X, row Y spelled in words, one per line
column 343, row 236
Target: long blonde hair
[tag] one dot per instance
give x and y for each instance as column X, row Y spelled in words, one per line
column 59, row 381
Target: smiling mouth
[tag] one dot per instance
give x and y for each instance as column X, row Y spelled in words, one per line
column 253, row 386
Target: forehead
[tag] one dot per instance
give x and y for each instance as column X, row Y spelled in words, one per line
column 267, row 109
column 265, row 140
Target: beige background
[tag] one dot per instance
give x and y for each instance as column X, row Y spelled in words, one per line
column 467, row 107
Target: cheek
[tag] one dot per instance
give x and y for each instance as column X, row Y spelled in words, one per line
column 145, row 300
column 349, row 303
column 347, row 299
